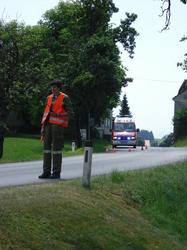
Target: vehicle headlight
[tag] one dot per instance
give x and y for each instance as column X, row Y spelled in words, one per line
column 115, row 138
column 130, row 137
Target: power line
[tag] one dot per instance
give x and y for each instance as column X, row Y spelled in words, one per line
column 156, row 80
column 173, row 83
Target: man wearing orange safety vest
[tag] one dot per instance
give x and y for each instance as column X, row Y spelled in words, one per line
column 57, row 112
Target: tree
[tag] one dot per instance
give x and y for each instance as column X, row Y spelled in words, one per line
column 25, row 70
column 125, row 110
column 183, row 64
column 85, row 47
column 140, row 141
column 180, row 121
column 8, row 67
column 167, row 140
column 76, row 43
column 28, row 93
column 146, row 135
column 166, row 10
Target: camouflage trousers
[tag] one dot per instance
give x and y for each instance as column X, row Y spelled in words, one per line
column 53, row 145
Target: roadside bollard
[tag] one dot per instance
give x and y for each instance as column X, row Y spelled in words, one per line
column 88, row 150
column 73, row 146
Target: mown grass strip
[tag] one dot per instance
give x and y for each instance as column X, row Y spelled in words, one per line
column 120, row 211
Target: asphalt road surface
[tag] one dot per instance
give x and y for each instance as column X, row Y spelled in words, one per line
column 14, row 174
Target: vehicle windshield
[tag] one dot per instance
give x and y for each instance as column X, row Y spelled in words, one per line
column 130, row 127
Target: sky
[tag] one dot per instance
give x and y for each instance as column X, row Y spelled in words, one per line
column 157, row 78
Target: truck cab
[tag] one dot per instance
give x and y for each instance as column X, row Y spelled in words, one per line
column 124, row 132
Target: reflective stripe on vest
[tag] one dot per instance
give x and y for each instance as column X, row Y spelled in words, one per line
column 57, row 120
column 57, row 152
column 62, row 116
column 47, row 151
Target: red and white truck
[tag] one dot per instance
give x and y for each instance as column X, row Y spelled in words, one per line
column 124, row 132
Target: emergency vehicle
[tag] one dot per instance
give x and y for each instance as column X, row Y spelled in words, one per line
column 124, row 132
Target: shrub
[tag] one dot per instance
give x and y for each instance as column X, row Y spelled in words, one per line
column 180, row 121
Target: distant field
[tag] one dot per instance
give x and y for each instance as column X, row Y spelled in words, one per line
column 18, row 149
column 137, row 210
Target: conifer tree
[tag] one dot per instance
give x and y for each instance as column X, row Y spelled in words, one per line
column 125, row 110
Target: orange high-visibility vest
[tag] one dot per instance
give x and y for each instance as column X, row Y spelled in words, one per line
column 62, row 116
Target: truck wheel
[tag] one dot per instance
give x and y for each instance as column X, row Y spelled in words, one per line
column 134, row 146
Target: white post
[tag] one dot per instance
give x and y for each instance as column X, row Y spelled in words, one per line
column 73, row 146
column 88, row 150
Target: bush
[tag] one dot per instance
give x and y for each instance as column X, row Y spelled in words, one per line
column 180, row 121
column 140, row 141
column 167, row 140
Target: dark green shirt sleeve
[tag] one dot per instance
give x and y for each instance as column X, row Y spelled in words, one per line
column 68, row 107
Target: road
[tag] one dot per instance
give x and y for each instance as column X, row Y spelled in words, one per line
column 14, row 174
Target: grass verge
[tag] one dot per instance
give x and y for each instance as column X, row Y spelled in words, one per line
column 134, row 210
column 28, row 149
column 181, row 143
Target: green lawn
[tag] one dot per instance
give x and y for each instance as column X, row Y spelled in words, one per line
column 134, row 210
column 21, row 149
column 181, row 143
column 18, row 149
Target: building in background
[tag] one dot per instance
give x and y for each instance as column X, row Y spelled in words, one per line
column 181, row 98
column 105, row 127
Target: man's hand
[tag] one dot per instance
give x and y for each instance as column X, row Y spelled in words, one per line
column 42, row 134
column 42, row 138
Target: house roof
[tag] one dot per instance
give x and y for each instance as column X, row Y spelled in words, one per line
column 182, row 93
column 183, row 87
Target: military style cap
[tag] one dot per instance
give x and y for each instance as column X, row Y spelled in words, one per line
column 56, row 83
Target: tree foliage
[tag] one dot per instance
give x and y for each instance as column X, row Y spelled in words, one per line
column 166, row 11
column 25, row 67
column 140, row 141
column 180, row 121
column 90, row 59
column 74, row 42
column 125, row 110
column 167, row 140
column 183, row 64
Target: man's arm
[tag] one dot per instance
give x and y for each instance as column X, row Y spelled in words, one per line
column 68, row 107
column 42, row 128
